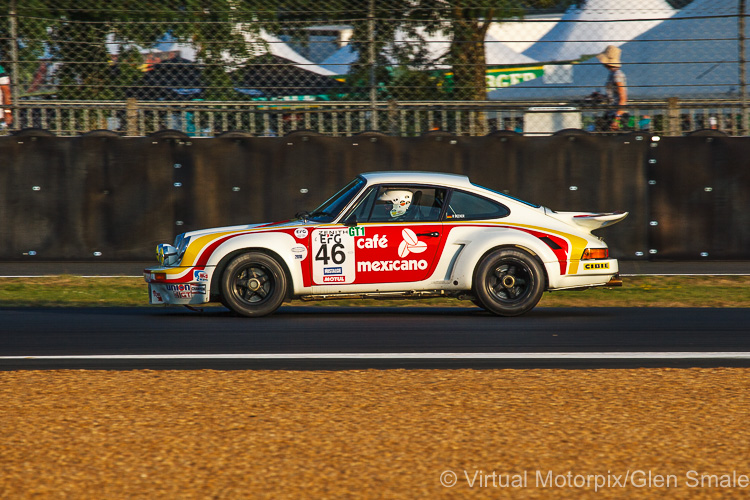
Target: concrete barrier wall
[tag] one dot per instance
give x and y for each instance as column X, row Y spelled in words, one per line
column 114, row 198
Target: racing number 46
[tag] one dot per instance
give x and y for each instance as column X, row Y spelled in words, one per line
column 337, row 254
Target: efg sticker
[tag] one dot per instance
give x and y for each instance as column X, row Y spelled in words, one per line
column 200, row 275
column 300, row 233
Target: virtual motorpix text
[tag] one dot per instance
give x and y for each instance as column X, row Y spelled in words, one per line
column 638, row 478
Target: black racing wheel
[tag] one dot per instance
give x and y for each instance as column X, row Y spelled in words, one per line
column 509, row 282
column 253, row 284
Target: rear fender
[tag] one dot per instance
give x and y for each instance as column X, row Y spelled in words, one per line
column 492, row 239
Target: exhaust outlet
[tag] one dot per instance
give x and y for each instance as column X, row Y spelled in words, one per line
column 615, row 280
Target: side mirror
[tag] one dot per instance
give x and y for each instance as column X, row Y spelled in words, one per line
column 351, row 221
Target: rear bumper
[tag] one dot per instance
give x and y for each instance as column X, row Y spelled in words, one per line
column 605, row 272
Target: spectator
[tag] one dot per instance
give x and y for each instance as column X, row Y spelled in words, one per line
column 617, row 94
column 6, row 115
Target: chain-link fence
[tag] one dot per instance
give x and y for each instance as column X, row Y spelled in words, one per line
column 341, row 67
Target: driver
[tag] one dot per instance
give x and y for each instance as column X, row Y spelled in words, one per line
column 396, row 201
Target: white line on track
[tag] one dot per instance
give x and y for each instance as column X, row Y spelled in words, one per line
column 405, row 356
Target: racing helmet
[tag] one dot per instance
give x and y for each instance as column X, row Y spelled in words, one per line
column 400, row 200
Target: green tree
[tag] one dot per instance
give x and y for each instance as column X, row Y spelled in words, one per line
column 465, row 23
column 78, row 36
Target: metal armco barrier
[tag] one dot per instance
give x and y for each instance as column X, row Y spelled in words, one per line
column 101, row 196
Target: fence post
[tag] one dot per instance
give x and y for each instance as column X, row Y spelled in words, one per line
column 743, row 83
column 673, row 116
column 13, row 43
column 371, row 57
column 131, row 116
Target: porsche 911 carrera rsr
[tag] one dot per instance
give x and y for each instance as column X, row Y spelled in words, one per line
column 392, row 234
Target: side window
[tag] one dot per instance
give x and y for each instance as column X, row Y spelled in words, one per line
column 364, row 207
column 467, row 206
column 407, row 203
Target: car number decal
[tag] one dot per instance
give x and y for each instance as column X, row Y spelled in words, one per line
column 333, row 256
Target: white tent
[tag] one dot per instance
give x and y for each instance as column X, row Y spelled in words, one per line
column 520, row 34
column 588, row 30
column 437, row 46
column 340, row 62
column 257, row 45
column 692, row 55
column 268, row 43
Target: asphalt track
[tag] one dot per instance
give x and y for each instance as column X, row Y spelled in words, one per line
column 363, row 337
column 370, row 337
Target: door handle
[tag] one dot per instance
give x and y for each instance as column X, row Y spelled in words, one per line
column 433, row 234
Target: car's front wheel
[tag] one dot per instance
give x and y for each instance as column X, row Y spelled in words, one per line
column 253, row 284
column 509, row 282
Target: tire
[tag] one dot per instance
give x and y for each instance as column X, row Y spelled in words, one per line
column 477, row 303
column 509, row 282
column 253, row 285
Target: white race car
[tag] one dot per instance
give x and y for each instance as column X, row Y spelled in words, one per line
column 393, row 235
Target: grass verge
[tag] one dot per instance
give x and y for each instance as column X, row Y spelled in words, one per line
column 640, row 291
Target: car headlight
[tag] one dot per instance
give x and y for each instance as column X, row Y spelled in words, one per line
column 166, row 254
column 181, row 243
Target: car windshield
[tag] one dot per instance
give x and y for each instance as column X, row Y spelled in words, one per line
column 328, row 211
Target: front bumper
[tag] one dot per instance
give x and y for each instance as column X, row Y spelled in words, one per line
column 178, row 293
column 185, row 288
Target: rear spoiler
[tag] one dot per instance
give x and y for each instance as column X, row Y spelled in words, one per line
column 588, row 220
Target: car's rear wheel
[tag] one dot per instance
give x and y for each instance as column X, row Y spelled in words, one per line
column 253, row 284
column 509, row 282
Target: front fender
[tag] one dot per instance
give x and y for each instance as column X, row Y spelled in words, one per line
column 278, row 243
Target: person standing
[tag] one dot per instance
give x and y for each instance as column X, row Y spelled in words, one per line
column 6, row 114
column 617, row 94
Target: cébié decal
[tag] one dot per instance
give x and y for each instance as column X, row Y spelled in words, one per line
column 596, row 265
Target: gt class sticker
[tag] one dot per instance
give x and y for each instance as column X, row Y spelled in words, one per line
column 333, row 256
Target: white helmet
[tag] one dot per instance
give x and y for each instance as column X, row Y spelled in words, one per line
column 400, row 200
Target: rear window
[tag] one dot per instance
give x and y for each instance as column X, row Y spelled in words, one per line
column 509, row 196
column 467, row 206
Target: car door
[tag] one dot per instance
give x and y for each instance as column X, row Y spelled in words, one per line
column 396, row 238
